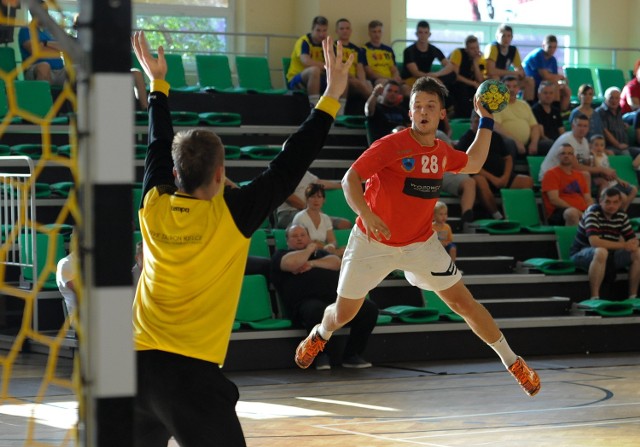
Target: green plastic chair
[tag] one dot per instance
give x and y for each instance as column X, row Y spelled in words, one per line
column 254, row 74
column 259, row 245
column 261, row 152
column 7, row 59
column 64, row 229
column 342, row 237
column 254, row 307
column 336, row 205
column 214, row 73
column 183, row 118
column 412, row 314
column 520, row 206
column 623, row 165
column 140, row 151
column 458, row 128
column 351, row 121
column 142, row 118
column 43, row 243
column 606, row 308
column 136, row 199
column 33, row 151
column 62, row 188
column 280, row 238
column 221, row 119
column 231, row 152
column 535, row 163
column 610, row 77
column 5, row 149
column 35, row 97
column 175, row 74
column 576, row 76
column 562, row 266
column 433, row 301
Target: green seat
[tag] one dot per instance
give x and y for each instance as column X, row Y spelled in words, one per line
column 342, row 237
column 351, row 121
column 64, row 229
column 62, row 188
column 520, row 206
column 182, row 118
column 175, row 74
column 136, row 202
column 535, row 163
column 45, row 272
column 33, row 151
column 142, row 118
column 606, row 308
column 412, row 314
column 254, row 75
column 140, row 151
column 286, row 63
column 231, row 152
column 433, row 301
column 7, row 59
column 458, row 128
column 221, row 119
column 5, row 149
column 493, row 226
column 610, row 77
column 214, row 73
column 35, row 98
column 576, row 76
column 254, row 307
column 562, row 266
column 259, row 245
column 261, row 152
column 64, row 150
column 4, row 105
column 623, row 165
column 336, row 205
column 280, row 238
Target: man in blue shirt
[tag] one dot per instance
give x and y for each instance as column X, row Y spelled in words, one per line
column 541, row 64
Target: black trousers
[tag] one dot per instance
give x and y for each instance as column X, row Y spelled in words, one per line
column 187, row 398
column 310, row 312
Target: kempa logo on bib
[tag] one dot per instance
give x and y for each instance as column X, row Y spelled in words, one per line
column 181, row 209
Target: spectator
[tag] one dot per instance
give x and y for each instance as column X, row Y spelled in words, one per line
column 297, row 201
column 601, row 160
column 585, row 95
column 630, row 96
column 501, row 56
column 542, row 65
column 418, row 59
column 548, row 113
column 497, row 171
column 578, row 141
column 50, row 66
column 384, row 111
column 443, row 229
column 307, row 63
column 358, row 83
column 519, row 126
column 615, row 130
column 306, row 279
column 65, row 276
column 380, row 60
column 605, row 237
column 317, row 223
column 565, row 192
column 469, row 66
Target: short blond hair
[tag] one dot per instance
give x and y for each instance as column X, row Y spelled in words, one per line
column 440, row 206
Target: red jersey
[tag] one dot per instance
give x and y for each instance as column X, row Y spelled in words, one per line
column 403, row 181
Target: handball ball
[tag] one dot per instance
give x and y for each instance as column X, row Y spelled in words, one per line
column 494, row 95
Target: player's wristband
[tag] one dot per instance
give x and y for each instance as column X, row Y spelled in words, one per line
column 486, row 123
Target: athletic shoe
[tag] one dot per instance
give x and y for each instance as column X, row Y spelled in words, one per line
column 355, row 361
column 322, row 362
column 525, row 376
column 309, row 348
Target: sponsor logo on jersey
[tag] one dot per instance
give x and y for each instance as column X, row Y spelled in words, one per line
column 423, row 188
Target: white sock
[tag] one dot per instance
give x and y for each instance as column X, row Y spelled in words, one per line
column 343, row 104
column 497, row 215
column 325, row 334
column 313, row 100
column 503, row 349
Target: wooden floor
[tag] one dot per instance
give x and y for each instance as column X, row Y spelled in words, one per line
column 588, row 400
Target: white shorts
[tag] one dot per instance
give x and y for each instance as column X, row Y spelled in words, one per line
column 365, row 264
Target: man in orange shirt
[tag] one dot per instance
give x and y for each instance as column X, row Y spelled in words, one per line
column 565, row 191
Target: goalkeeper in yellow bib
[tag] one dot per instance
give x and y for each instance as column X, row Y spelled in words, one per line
column 403, row 173
column 196, row 241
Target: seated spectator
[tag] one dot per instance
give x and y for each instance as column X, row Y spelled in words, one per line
column 605, row 236
column 578, row 141
column 548, row 113
column 469, row 66
column 384, row 111
column 565, row 192
column 380, row 60
column 501, row 56
column 50, row 66
column 497, row 172
column 614, row 128
column 601, row 160
column 418, row 59
column 630, row 96
column 306, row 278
column 358, row 83
column 443, row 229
column 585, row 95
column 65, row 277
column 297, row 201
column 542, row 65
column 517, row 124
column 317, row 223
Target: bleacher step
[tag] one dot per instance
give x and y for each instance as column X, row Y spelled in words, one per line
column 479, row 265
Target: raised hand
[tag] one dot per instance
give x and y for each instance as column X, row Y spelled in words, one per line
column 155, row 68
column 337, row 69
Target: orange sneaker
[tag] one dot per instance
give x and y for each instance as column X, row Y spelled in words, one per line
column 309, row 348
column 525, row 376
